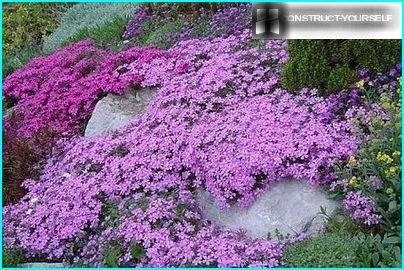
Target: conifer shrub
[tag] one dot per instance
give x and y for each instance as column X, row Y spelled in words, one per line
column 330, row 65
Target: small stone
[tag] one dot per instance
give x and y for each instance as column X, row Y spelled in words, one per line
column 113, row 112
column 289, row 206
column 42, row 265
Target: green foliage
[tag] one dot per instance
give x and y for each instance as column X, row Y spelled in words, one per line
column 112, row 256
column 201, row 27
column 308, row 65
column 329, row 250
column 330, row 65
column 113, row 251
column 137, row 251
column 377, row 251
column 110, row 213
column 340, row 221
column 104, row 36
column 86, row 15
column 277, row 235
column 28, row 23
column 80, row 265
column 157, row 32
column 20, row 57
column 339, row 77
column 25, row 25
column 12, row 258
column 377, row 158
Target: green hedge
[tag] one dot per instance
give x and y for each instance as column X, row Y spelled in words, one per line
column 331, row 65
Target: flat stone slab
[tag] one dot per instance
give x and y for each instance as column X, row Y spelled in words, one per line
column 113, row 112
column 42, row 265
column 290, row 206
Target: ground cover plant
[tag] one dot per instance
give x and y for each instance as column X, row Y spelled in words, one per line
column 222, row 120
column 84, row 16
column 165, row 25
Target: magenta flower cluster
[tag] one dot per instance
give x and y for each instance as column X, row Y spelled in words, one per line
column 60, row 91
column 230, row 20
column 133, row 28
column 361, row 208
column 219, row 122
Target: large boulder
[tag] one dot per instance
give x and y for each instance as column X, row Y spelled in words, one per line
column 113, row 111
column 290, row 207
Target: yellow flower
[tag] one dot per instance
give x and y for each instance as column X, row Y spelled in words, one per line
column 396, row 153
column 384, row 158
column 360, row 84
column 352, row 161
column 353, row 181
column 391, row 171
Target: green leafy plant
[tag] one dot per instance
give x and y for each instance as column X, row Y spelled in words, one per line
column 278, row 235
column 375, row 171
column 378, row 251
column 338, row 78
column 20, row 57
column 28, row 23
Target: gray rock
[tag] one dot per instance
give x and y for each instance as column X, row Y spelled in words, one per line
column 42, row 265
column 113, row 111
column 290, row 206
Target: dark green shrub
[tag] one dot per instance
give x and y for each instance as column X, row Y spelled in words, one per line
column 339, row 77
column 137, row 251
column 12, row 258
column 377, row 55
column 308, row 66
column 331, row 65
column 329, row 250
